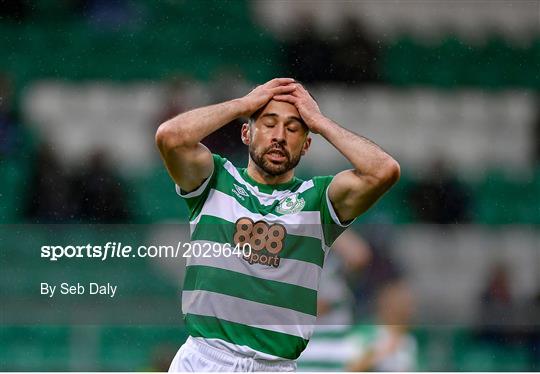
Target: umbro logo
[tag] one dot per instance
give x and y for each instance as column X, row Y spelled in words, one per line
column 239, row 191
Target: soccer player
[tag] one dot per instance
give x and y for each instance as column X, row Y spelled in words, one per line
column 255, row 310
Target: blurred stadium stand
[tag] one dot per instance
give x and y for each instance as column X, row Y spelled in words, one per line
column 452, row 81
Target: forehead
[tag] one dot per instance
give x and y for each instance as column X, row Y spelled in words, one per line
column 282, row 109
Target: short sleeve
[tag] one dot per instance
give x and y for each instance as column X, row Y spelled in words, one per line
column 332, row 226
column 196, row 198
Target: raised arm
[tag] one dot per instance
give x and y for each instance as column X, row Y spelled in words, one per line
column 374, row 171
column 188, row 161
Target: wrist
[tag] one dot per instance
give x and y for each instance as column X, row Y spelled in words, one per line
column 241, row 107
column 316, row 123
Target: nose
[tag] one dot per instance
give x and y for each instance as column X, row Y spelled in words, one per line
column 278, row 134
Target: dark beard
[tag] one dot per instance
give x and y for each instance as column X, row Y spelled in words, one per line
column 270, row 168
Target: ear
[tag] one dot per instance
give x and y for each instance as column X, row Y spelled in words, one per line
column 245, row 133
column 307, row 144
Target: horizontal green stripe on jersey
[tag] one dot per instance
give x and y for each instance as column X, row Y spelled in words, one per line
column 231, row 283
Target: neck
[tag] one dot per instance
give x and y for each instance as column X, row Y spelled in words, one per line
column 260, row 176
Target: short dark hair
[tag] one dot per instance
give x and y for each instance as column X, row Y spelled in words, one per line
column 255, row 115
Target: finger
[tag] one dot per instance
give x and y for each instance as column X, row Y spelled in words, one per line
column 283, row 89
column 302, row 92
column 294, row 93
column 280, row 81
column 300, row 88
column 287, row 98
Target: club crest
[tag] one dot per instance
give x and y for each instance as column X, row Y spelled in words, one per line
column 290, row 204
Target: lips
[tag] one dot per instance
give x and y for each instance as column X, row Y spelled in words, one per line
column 276, row 152
column 276, row 155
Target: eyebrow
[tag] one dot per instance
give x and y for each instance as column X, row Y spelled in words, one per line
column 288, row 118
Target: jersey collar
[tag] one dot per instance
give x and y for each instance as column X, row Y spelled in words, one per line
column 269, row 188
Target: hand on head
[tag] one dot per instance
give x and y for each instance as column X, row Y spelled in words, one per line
column 305, row 104
column 262, row 94
column 285, row 90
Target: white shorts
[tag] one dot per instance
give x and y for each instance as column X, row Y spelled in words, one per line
column 196, row 355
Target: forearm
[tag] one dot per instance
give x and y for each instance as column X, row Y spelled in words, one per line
column 366, row 157
column 189, row 128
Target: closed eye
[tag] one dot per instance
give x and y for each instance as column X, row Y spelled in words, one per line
column 293, row 126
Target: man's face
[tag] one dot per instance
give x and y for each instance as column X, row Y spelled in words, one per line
column 278, row 139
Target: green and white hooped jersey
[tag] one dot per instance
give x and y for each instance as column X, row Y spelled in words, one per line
column 263, row 302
